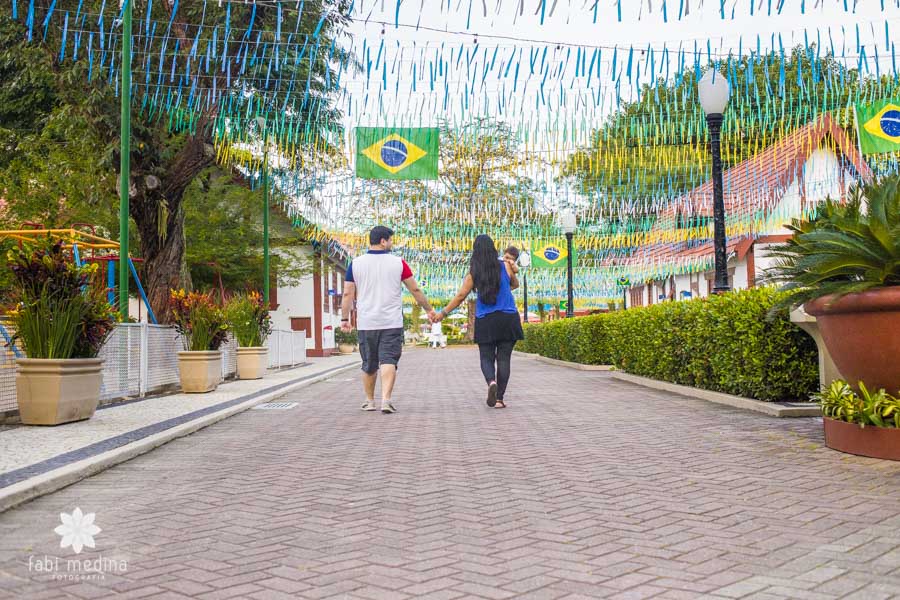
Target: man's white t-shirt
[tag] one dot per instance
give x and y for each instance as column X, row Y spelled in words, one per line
column 378, row 276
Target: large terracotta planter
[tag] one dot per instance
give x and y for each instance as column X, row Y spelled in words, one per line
column 862, row 333
column 346, row 348
column 876, row 442
column 55, row 391
column 201, row 371
column 252, row 362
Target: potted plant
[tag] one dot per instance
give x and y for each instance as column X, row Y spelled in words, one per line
column 61, row 321
column 203, row 331
column 249, row 321
column 867, row 424
column 346, row 341
column 844, row 267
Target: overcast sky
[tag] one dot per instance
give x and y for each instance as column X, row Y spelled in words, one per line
column 571, row 23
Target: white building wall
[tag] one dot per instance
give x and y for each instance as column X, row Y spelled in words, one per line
column 295, row 301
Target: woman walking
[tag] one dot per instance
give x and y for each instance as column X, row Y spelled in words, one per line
column 497, row 325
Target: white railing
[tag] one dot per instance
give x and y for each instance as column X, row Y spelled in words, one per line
column 286, row 348
column 140, row 359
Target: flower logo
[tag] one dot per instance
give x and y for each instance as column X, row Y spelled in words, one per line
column 77, row 530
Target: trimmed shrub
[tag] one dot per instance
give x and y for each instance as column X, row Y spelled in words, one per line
column 723, row 343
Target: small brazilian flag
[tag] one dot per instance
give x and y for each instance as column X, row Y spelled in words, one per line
column 878, row 127
column 550, row 255
column 397, row 153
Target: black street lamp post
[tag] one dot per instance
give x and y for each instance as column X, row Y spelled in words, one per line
column 570, row 299
column 714, row 92
column 524, row 262
column 569, row 222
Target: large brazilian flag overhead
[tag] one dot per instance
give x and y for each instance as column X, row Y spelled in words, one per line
column 397, row 152
column 878, row 127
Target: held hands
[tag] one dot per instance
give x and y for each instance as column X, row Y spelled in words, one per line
column 435, row 317
column 345, row 327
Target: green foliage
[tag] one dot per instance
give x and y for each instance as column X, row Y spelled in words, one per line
column 723, row 343
column 844, row 249
column 201, row 324
column 249, row 320
column 57, row 312
column 841, row 403
column 346, row 337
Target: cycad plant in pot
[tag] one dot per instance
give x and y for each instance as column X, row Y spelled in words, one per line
column 250, row 324
column 203, row 330
column 61, row 321
column 844, row 267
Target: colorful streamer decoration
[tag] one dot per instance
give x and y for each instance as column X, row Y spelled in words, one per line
column 525, row 127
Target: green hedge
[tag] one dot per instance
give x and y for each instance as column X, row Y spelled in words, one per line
column 724, row 343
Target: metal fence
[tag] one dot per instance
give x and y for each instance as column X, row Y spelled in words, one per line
column 140, row 358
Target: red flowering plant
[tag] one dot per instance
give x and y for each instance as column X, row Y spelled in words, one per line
column 59, row 309
column 199, row 320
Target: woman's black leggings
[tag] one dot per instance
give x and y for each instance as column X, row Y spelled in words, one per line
column 498, row 354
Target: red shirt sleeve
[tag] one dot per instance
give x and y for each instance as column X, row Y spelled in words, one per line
column 407, row 272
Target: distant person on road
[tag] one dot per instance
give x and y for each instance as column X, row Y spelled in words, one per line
column 497, row 325
column 511, row 255
column 374, row 280
column 437, row 335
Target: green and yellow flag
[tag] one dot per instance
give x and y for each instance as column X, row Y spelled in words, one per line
column 549, row 255
column 397, row 152
column 878, row 127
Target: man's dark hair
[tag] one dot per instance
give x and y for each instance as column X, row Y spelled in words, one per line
column 512, row 251
column 378, row 233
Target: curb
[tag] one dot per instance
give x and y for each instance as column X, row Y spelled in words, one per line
column 772, row 409
column 565, row 363
column 51, row 481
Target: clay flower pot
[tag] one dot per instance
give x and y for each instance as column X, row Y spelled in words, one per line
column 346, row 348
column 252, row 362
column 876, row 442
column 55, row 391
column 200, row 371
column 862, row 333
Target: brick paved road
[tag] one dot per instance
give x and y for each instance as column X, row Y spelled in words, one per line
column 584, row 487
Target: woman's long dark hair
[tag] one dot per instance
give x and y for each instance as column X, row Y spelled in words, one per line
column 485, row 269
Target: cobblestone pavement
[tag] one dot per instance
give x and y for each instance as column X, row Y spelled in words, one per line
column 583, row 487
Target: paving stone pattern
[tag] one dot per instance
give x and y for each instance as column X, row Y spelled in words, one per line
column 585, row 487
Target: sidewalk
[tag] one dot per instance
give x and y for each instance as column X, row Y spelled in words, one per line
column 37, row 460
column 585, row 487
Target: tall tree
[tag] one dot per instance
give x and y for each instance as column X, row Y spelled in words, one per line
column 166, row 160
column 657, row 147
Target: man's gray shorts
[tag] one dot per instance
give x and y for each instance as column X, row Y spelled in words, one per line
column 380, row 347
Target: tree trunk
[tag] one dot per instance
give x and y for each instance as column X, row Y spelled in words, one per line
column 159, row 217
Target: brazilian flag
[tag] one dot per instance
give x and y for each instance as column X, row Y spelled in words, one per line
column 550, row 255
column 878, row 127
column 397, row 152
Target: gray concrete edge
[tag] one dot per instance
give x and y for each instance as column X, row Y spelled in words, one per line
column 565, row 363
column 54, row 480
column 769, row 408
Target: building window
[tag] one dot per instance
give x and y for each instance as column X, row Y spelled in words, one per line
column 302, row 324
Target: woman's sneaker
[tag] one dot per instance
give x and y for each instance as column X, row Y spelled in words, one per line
column 492, row 394
column 369, row 406
column 387, row 408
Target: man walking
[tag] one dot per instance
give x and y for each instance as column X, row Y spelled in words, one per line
column 374, row 281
